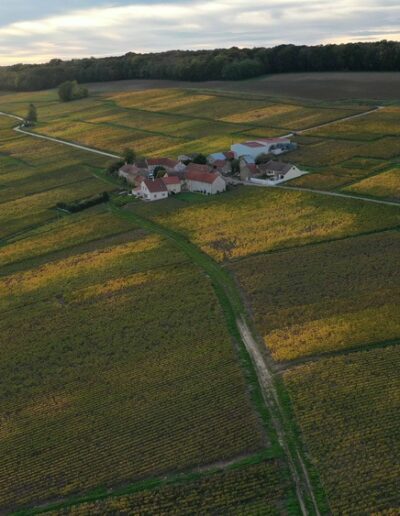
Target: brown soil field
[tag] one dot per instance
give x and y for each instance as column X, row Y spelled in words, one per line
column 316, row 86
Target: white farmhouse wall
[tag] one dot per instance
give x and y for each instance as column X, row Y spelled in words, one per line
column 174, row 188
column 218, row 186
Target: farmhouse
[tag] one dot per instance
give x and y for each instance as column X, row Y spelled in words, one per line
column 130, row 172
column 153, row 190
column 199, row 179
column 222, row 166
column 172, row 183
column 220, row 156
column 280, row 171
column 262, row 146
column 170, row 165
column 247, row 170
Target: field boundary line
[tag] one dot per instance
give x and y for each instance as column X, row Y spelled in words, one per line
column 326, row 192
column 342, row 119
column 145, row 484
column 279, row 250
column 361, row 348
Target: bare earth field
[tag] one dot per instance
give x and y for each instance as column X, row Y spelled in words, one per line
column 317, row 85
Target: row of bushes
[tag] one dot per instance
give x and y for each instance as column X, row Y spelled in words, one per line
column 83, row 204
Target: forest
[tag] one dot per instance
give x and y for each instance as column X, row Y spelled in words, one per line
column 205, row 65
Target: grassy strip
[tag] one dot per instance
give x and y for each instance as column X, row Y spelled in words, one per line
column 102, row 493
column 295, row 443
column 284, row 366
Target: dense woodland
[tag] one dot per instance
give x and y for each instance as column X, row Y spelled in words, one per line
column 202, row 65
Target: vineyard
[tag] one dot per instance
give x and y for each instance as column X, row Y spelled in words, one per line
column 124, row 387
column 251, row 490
column 101, row 383
column 35, row 175
column 348, row 411
column 385, row 184
column 253, row 220
column 326, row 297
column 67, row 232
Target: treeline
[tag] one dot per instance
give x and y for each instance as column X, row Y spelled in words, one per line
column 204, row 65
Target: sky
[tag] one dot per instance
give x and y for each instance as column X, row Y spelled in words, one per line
column 39, row 30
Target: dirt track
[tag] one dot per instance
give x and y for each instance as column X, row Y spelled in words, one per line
column 314, row 86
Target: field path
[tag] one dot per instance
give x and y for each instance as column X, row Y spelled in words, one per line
column 343, row 119
column 19, row 129
column 326, row 192
column 235, row 312
column 266, row 380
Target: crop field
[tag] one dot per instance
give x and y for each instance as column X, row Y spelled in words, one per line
column 253, row 220
column 174, row 121
column 35, row 175
column 251, row 490
column 348, row 411
column 123, row 388
column 375, row 125
column 322, row 298
column 64, row 233
column 385, row 184
column 170, row 121
column 102, row 384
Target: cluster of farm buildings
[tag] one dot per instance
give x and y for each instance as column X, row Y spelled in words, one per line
column 156, row 178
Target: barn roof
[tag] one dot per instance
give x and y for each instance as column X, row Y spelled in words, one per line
column 155, row 186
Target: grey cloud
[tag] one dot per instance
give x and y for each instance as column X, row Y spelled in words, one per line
column 233, row 23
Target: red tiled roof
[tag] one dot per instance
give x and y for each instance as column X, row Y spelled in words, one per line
column 129, row 169
column 171, row 180
column 253, row 144
column 273, row 140
column 195, row 167
column 155, row 186
column 162, row 162
column 219, row 163
column 201, row 177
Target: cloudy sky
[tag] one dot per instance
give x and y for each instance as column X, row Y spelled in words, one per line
column 38, row 30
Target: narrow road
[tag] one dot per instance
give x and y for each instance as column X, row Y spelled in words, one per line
column 64, row 142
column 343, row 119
column 19, row 129
column 331, row 194
column 266, row 379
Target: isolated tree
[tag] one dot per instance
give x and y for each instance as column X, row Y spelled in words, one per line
column 129, row 156
column 31, row 117
column 70, row 90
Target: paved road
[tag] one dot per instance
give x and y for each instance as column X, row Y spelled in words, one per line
column 19, row 129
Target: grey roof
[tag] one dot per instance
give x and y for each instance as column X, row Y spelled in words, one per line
column 277, row 166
